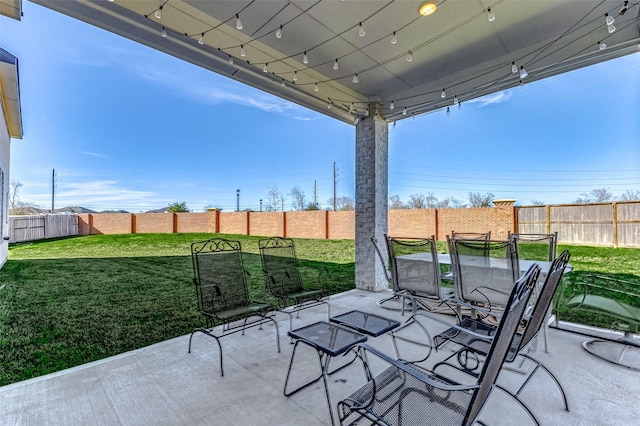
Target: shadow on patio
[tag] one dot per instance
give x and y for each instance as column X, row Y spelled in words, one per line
column 163, row 384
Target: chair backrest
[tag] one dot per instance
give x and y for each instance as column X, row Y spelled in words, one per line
column 414, row 265
column 280, row 266
column 514, row 311
column 544, row 299
column 471, row 235
column 484, row 271
column 385, row 263
column 219, row 275
column 537, row 246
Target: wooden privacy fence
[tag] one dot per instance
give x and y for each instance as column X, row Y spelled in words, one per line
column 600, row 224
column 31, row 228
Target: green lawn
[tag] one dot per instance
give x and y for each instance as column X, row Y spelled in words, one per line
column 69, row 301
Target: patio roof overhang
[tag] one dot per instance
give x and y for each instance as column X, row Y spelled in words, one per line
column 460, row 48
column 10, row 93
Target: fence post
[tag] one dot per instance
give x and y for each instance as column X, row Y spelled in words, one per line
column 547, row 210
column 614, row 214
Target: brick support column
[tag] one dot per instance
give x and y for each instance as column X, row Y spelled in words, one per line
column 372, row 151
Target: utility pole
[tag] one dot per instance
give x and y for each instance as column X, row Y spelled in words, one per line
column 334, row 185
column 53, row 189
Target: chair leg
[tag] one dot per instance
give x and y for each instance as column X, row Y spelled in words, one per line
column 201, row 330
column 553, row 377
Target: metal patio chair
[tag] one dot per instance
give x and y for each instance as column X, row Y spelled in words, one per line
column 221, row 290
column 404, row 394
column 283, row 279
column 481, row 236
column 536, row 246
column 415, row 270
column 618, row 301
column 474, row 337
column 396, row 293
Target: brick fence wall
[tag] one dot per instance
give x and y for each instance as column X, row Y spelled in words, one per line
column 319, row 224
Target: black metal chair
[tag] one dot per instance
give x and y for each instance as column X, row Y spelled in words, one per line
column 474, row 337
column 536, row 246
column 221, row 290
column 403, row 394
column 415, row 270
column 480, row 236
column 283, row 279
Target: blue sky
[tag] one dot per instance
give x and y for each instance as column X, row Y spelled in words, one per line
column 127, row 127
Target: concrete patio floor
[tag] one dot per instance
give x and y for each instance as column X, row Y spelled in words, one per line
column 164, row 385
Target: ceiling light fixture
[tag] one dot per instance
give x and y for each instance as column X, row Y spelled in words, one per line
column 490, row 15
column 427, row 9
column 238, row 22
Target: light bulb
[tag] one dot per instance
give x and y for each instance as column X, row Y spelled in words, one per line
column 238, row 22
column 158, row 13
column 523, row 73
column 242, row 52
column 356, row 120
column 315, row 87
column 611, row 29
column 490, row 15
column 514, row 67
column 404, row 111
column 335, row 65
column 295, row 76
column 163, row 33
column 305, row 58
column 282, row 83
column 356, row 79
column 266, row 67
column 279, row 32
column 366, row 112
column 448, row 112
column 460, row 105
column 329, row 105
column 624, row 8
column 409, row 56
column 361, row 31
column 455, row 99
column 443, row 94
column 392, row 105
column 230, row 60
column 394, row 39
column 609, row 19
column 201, row 39
column 601, row 45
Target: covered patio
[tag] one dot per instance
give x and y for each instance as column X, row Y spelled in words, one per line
column 163, row 384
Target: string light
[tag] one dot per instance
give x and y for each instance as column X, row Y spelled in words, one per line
column 490, row 15
column 230, row 60
column 366, row 112
column 158, row 13
column 356, row 119
column 315, row 87
column 404, row 111
column 305, row 58
column 361, row 31
column 242, row 52
column 443, row 94
column 409, row 56
column 523, row 73
column 394, row 39
column 351, row 108
column 356, row 79
column 601, row 45
column 283, row 83
column 201, row 39
column 295, row 76
column 335, row 65
column 279, row 32
column 514, row 67
column 266, row 67
column 392, row 105
column 624, row 8
column 329, row 105
column 238, row 22
column 163, row 33
column 448, row 112
column 611, row 29
column 609, row 20
column 455, row 99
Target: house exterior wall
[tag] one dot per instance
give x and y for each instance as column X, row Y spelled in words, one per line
column 5, row 156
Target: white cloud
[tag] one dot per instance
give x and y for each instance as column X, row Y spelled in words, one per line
column 494, row 98
column 94, row 154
